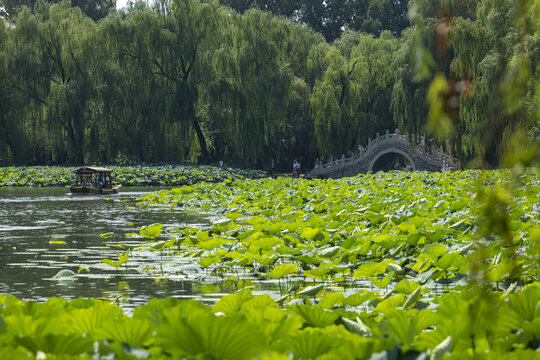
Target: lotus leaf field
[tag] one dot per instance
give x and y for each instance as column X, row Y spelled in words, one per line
column 380, row 266
column 146, row 175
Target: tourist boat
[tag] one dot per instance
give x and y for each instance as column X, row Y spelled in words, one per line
column 94, row 180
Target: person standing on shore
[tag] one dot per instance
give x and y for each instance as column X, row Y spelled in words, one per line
column 296, row 168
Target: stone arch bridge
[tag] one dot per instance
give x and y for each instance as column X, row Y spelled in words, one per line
column 389, row 152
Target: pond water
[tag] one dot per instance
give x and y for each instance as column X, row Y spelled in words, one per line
column 45, row 230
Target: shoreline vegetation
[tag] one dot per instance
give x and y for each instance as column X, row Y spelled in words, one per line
column 135, row 175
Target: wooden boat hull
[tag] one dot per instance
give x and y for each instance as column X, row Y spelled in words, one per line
column 87, row 190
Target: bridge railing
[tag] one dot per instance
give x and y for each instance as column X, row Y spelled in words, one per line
column 436, row 155
column 364, row 153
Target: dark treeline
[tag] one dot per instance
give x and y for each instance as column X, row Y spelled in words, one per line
column 191, row 80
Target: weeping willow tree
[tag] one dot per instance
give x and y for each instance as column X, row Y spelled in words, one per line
column 469, row 49
column 255, row 85
column 9, row 103
column 189, row 80
column 67, row 43
column 181, row 57
column 134, row 99
column 49, row 68
column 351, row 99
column 27, row 88
column 483, row 50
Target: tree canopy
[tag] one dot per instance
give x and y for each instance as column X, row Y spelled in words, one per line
column 202, row 81
column 332, row 17
column 94, row 9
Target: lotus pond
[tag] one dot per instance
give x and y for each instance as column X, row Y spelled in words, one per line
column 143, row 175
column 382, row 266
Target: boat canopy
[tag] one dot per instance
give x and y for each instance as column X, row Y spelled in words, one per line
column 92, row 170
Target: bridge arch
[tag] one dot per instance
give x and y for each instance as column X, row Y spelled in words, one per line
column 382, row 152
column 397, row 151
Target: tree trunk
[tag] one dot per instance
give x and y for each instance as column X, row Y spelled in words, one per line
column 202, row 140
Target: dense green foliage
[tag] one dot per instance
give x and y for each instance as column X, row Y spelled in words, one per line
column 94, row 9
column 162, row 175
column 242, row 326
column 426, row 224
column 329, row 17
column 191, row 80
column 434, row 279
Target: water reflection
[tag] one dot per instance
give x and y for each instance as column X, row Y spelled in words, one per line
column 45, row 230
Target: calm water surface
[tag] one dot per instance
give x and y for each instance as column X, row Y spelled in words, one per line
column 46, row 230
column 34, row 220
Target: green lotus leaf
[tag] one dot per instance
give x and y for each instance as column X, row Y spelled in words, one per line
column 209, row 244
column 57, row 344
column 449, row 260
column 260, row 301
column 256, row 220
column 208, row 261
column 311, row 290
column 407, row 228
column 357, row 327
column 406, row 287
column 65, row 274
column 413, row 298
column 122, row 258
column 232, row 303
column 309, row 343
column 315, row 316
column 208, row 336
column 151, row 231
column 434, row 251
column 222, row 223
column 440, row 350
column 233, row 216
column 317, row 273
column 401, row 326
column 158, row 246
column 283, row 270
column 390, row 304
column 349, row 242
column 312, row 234
column 267, row 259
column 525, row 304
column 265, row 243
column 359, row 298
column 91, row 320
column 133, row 332
column 368, row 269
column 384, row 282
column 291, row 238
column 329, row 252
column 331, row 299
column 202, row 236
